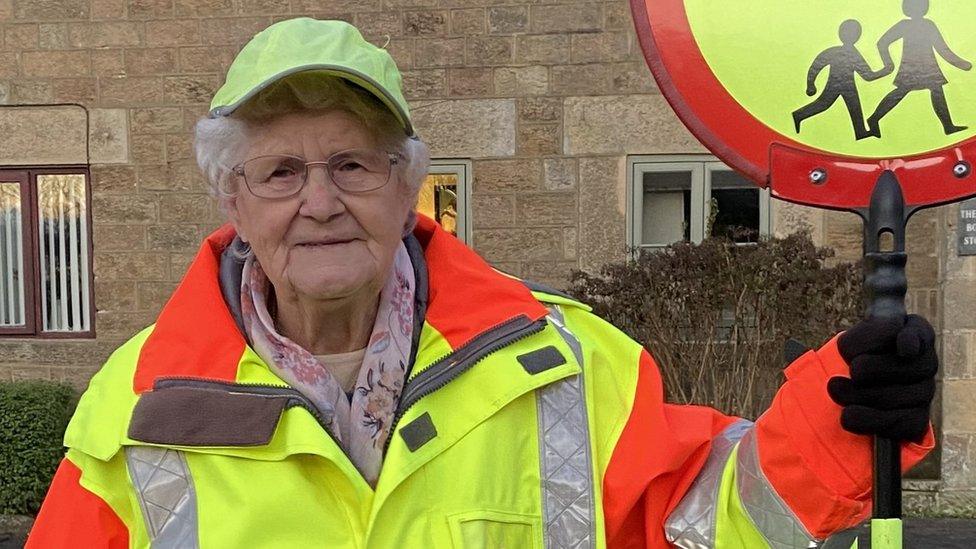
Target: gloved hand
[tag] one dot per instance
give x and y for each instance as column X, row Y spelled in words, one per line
column 893, row 365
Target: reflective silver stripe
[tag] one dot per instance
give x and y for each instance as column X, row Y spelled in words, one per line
column 165, row 489
column 692, row 523
column 770, row 515
column 565, row 460
column 557, row 319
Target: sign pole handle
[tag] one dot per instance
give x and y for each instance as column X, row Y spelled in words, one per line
column 885, row 258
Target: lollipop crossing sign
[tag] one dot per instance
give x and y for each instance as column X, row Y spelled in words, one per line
column 866, row 106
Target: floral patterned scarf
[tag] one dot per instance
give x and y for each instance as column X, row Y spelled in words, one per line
column 361, row 426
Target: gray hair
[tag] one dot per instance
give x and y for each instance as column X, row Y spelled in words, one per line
column 221, row 143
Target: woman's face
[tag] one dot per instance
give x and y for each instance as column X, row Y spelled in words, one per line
column 322, row 243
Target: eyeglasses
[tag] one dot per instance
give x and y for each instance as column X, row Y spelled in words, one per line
column 284, row 175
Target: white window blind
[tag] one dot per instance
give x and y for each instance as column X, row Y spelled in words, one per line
column 63, row 253
column 12, row 311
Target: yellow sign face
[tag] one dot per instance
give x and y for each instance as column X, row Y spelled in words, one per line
column 865, row 78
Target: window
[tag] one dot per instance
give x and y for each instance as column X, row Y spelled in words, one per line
column 45, row 253
column 679, row 198
column 444, row 196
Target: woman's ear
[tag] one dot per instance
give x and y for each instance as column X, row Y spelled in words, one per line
column 234, row 217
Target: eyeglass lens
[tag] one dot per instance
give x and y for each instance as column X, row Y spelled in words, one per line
column 357, row 170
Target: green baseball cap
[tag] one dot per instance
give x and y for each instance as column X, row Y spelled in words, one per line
column 305, row 44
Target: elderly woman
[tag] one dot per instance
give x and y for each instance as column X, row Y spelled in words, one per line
column 335, row 372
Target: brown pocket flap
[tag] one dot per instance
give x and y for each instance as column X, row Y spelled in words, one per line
column 190, row 416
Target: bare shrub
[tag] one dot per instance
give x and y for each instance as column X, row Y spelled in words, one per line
column 716, row 315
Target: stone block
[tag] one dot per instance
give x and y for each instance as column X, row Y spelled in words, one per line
column 255, row 7
column 540, row 109
column 113, row 180
column 47, row 64
column 508, row 19
column 104, row 34
column 382, row 23
column 470, row 81
column 490, row 50
column 424, row 83
column 119, row 238
column 153, row 295
column 602, row 207
column 543, row 209
column 52, row 36
column 960, row 304
column 179, row 147
column 125, row 91
column 491, row 211
column 957, row 503
column 233, row 30
column 4, row 93
column 184, row 208
column 43, row 135
column 147, row 149
column 123, row 208
column 178, row 264
column 401, row 49
column 115, row 295
column 426, row 23
column 470, row 128
column 175, row 176
column 173, row 32
column 207, row 59
column 6, row 10
column 108, row 9
column 554, row 274
column 789, row 218
column 494, row 176
column 958, row 468
column 600, row 47
column 139, row 266
column 172, row 238
column 632, row 77
column 591, row 79
column 108, row 136
column 44, row 10
column 191, row 89
column 958, row 354
column 31, row 91
column 555, row 19
column 122, row 324
column 156, row 120
column 539, row 139
column 542, row 48
column 571, row 243
column 20, row 37
column 560, row 174
column 617, row 16
column 519, row 244
column 592, row 125
column 9, row 65
column 467, row 22
column 203, row 8
column 108, row 62
column 439, row 52
column 150, row 9
column 147, row 62
column 521, row 81
column 74, row 90
column 959, row 406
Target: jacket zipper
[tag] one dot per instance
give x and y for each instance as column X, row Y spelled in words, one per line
column 436, row 376
column 447, row 368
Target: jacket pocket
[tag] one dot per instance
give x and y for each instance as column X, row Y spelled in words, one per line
column 495, row 530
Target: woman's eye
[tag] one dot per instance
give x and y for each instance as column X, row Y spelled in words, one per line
column 283, row 172
column 351, row 166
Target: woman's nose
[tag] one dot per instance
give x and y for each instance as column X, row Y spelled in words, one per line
column 320, row 196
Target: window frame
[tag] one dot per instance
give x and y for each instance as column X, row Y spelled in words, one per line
column 701, row 168
column 33, row 327
column 461, row 168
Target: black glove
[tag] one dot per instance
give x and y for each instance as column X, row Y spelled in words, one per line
column 893, row 365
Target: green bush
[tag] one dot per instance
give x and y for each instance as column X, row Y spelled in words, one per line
column 716, row 315
column 33, row 416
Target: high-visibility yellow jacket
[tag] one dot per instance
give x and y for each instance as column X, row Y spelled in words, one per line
column 526, row 422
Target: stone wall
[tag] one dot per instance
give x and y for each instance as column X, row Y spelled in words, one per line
column 546, row 98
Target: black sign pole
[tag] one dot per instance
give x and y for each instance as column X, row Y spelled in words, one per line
column 885, row 258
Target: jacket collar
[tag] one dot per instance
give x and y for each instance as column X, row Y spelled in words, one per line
column 196, row 334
